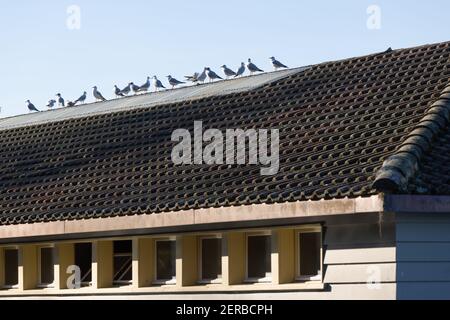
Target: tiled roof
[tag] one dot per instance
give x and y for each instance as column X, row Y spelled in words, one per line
column 339, row 122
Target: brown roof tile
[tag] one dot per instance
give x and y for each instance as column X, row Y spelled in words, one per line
column 338, row 121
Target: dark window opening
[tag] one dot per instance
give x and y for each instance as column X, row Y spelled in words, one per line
column 310, row 254
column 47, row 273
column 11, row 267
column 165, row 260
column 83, row 259
column 211, row 258
column 123, row 262
column 258, row 257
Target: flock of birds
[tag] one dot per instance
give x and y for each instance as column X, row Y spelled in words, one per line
column 196, row 78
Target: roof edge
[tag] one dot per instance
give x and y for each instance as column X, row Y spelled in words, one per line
column 398, row 169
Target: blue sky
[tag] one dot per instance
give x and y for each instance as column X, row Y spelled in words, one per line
column 127, row 41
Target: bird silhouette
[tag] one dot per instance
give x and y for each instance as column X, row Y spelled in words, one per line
column 157, row 84
column 277, row 64
column 31, row 106
column 98, row 95
column 240, row 71
column 51, row 103
column 228, row 72
column 125, row 91
column 71, row 104
column 252, row 67
column 193, row 78
column 118, row 92
column 60, row 100
column 212, row 75
column 81, row 99
column 174, row 82
column 134, row 87
column 145, row 86
column 202, row 77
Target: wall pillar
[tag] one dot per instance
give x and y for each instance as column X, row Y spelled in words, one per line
column 186, row 261
column 233, row 258
column 283, row 257
column 102, row 264
column 64, row 257
column 143, row 262
column 28, row 267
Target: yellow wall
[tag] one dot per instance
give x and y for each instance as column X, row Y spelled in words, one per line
column 28, row 267
column 187, row 261
column 102, row 264
column 283, row 257
column 233, row 258
column 143, row 262
column 65, row 257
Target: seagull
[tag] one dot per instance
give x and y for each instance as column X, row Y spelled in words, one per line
column 134, row 87
column 202, row 77
column 157, row 84
column 125, row 91
column 252, row 67
column 193, row 78
column 240, row 71
column 31, row 106
column 212, row 75
column 60, row 100
column 98, row 95
column 118, row 92
column 145, row 86
column 277, row 64
column 81, row 99
column 174, row 82
column 71, row 104
column 51, row 103
column 228, row 72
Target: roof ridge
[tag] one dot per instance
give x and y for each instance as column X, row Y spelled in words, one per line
column 398, row 169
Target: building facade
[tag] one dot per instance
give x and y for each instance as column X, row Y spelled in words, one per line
column 93, row 205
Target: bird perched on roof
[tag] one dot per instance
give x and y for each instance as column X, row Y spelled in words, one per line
column 252, row 67
column 118, row 92
column 71, row 104
column 193, row 78
column 31, row 106
column 134, row 87
column 60, row 100
column 81, row 99
column 125, row 91
column 202, row 77
column 145, row 86
column 51, row 103
column 277, row 64
column 212, row 75
column 240, row 71
column 174, row 82
column 227, row 71
column 98, row 95
column 157, row 84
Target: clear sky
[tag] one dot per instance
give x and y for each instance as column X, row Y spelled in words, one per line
column 123, row 41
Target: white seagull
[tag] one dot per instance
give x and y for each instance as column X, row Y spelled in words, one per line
column 98, row 95
column 174, row 82
column 60, row 100
column 157, row 84
column 125, row 91
column 51, row 103
column 212, row 75
column 118, row 92
column 228, row 72
column 202, row 77
column 277, row 64
column 240, row 71
column 145, row 86
column 252, row 67
column 31, row 106
column 81, row 99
